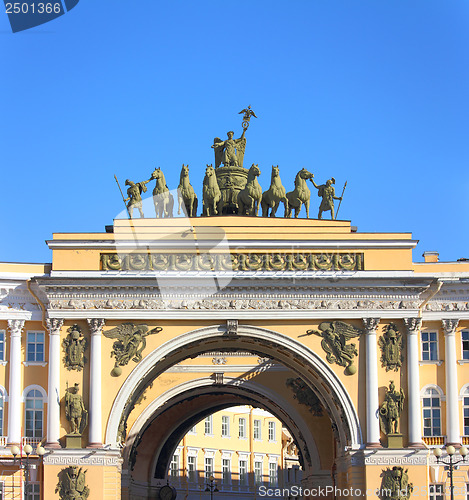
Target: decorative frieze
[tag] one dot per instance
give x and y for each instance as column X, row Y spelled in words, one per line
column 386, row 457
column 83, row 458
column 304, row 261
column 230, row 303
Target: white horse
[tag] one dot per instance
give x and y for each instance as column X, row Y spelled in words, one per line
column 211, row 192
column 274, row 195
column 250, row 197
column 186, row 193
column 162, row 198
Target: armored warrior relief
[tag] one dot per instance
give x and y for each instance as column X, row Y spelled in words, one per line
column 74, row 346
column 71, row 485
column 391, row 348
column 334, row 342
column 391, row 409
column 395, row 484
column 75, row 410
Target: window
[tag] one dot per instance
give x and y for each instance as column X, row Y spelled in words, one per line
column 2, row 488
column 208, row 467
column 257, row 429
column 35, row 346
column 465, row 344
column 271, row 431
column 192, row 430
column 465, row 409
column 273, row 474
column 2, row 348
column 242, row 427
column 431, row 413
column 34, row 414
column 226, row 471
column 243, row 472
column 436, row 492
column 33, row 493
column 225, row 426
column 192, row 469
column 174, row 466
column 258, row 472
column 209, row 425
column 429, row 346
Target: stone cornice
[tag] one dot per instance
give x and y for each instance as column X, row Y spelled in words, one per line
column 191, row 244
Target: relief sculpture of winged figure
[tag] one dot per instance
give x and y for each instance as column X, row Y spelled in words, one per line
column 335, row 335
column 130, row 343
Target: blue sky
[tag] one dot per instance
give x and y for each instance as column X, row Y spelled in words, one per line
column 372, row 92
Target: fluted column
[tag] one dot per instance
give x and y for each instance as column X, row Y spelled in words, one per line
column 96, row 427
column 53, row 391
column 372, row 401
column 452, row 402
column 15, row 326
column 413, row 382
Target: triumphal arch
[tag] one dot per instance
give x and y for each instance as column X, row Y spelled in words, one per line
column 132, row 336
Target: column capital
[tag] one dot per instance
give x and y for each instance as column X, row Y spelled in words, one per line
column 450, row 325
column 16, row 327
column 96, row 325
column 54, row 325
column 370, row 324
column 413, row 325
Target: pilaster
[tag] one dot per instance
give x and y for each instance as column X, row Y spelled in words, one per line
column 372, row 400
column 15, row 327
column 95, row 423
column 413, row 381
column 452, row 403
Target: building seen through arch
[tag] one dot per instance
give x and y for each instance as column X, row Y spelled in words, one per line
column 241, row 448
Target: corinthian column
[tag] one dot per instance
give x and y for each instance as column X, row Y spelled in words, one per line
column 15, row 326
column 372, row 401
column 452, row 403
column 413, row 381
column 53, row 391
column 96, row 427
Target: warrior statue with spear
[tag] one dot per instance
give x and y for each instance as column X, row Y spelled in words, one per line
column 134, row 195
column 327, row 192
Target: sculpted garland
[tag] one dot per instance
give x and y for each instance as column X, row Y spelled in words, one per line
column 229, row 188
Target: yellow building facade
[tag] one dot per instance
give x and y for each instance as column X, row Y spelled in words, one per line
column 241, row 447
column 225, row 312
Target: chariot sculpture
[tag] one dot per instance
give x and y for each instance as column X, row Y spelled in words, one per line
column 231, row 189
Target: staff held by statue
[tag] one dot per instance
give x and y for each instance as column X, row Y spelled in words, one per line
column 341, row 198
column 123, row 197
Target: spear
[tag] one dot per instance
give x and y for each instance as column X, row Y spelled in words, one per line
column 122, row 194
column 338, row 208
